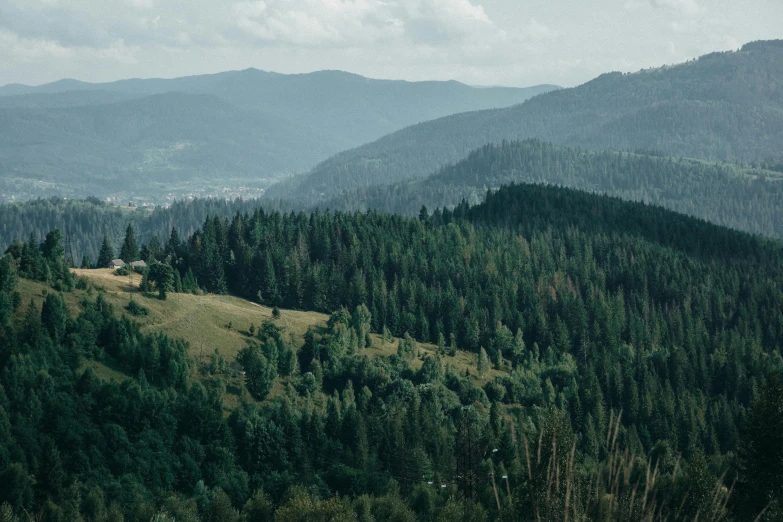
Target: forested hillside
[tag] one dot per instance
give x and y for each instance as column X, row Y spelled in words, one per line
column 242, row 128
column 722, row 106
column 625, row 369
column 737, row 196
column 90, row 221
column 625, row 361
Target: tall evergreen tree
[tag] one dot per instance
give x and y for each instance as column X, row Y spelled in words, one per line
column 54, row 316
column 130, row 249
column 106, row 254
column 762, row 452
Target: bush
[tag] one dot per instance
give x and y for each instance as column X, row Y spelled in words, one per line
column 136, row 309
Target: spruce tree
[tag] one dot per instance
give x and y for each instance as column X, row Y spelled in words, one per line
column 106, row 254
column 761, row 454
column 130, row 249
column 189, row 284
column 483, row 362
column 54, row 316
column 154, row 248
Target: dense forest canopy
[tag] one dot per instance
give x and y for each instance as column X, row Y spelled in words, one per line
column 722, row 106
column 627, row 367
column 738, row 196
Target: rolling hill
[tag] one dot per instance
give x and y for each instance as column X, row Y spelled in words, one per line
column 722, row 106
column 729, row 194
column 240, row 128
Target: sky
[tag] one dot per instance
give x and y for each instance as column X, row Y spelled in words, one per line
column 479, row 42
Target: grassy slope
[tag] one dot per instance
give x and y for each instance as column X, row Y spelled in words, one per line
column 202, row 321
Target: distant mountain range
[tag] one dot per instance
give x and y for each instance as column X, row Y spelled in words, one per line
column 722, row 106
column 148, row 137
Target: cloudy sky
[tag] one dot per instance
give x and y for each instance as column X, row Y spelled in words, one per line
column 481, row 42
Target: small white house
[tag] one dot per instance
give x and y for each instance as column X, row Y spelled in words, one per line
column 116, row 263
column 138, row 264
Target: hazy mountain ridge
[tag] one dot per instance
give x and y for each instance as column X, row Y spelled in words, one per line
column 250, row 125
column 157, row 139
column 722, row 106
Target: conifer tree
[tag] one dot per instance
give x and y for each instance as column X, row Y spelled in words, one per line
column 130, row 249
column 483, row 362
column 54, row 315
column 761, row 455
column 106, row 254
column 189, row 284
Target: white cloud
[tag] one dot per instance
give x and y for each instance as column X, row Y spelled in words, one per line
column 342, row 23
column 476, row 41
column 141, row 4
column 535, row 30
column 18, row 49
column 689, row 7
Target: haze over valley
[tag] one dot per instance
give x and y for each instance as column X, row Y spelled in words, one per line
column 223, row 135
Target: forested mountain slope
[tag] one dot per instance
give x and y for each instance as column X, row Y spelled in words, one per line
column 722, row 106
column 737, row 196
column 635, row 350
column 237, row 128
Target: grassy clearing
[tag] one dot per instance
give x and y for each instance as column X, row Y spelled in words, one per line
column 203, row 321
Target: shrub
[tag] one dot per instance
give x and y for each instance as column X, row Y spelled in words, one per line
column 136, row 309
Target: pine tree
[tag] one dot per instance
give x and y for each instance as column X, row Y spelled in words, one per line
column 761, row 453
column 32, row 331
column 407, row 348
column 130, row 249
column 154, row 248
column 54, row 315
column 173, row 246
column 162, row 275
column 52, row 248
column 105, row 255
column 220, row 508
column 483, row 362
column 259, row 508
column 189, row 284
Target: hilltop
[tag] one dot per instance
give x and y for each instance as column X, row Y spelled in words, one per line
column 728, row 194
column 722, row 106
